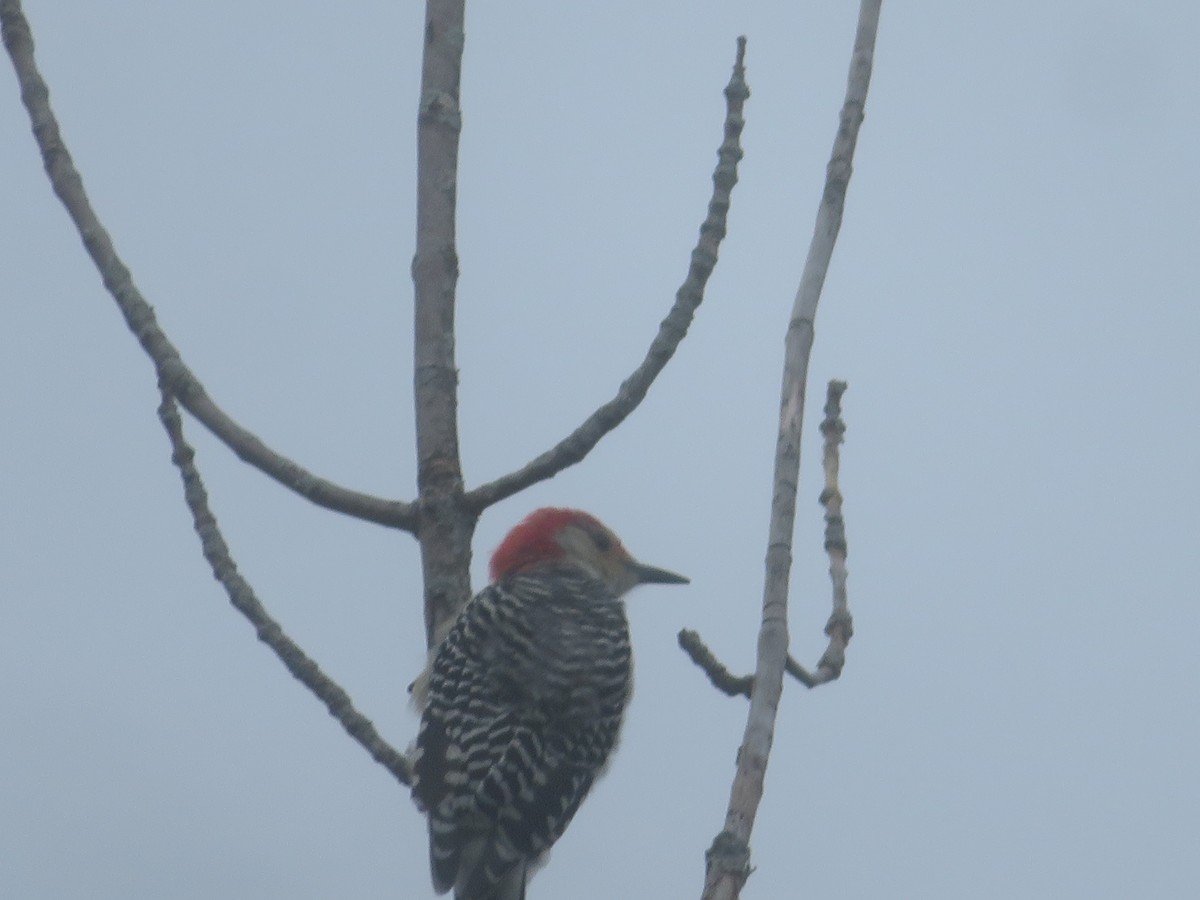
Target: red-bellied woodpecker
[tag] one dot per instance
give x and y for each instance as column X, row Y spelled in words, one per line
column 525, row 699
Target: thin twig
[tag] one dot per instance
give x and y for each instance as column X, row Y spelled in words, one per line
column 139, row 315
column 800, row 673
column 722, row 679
column 739, row 685
column 673, row 329
column 243, row 598
column 727, row 862
column 840, row 626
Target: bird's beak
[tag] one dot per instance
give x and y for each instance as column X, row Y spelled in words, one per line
column 649, row 575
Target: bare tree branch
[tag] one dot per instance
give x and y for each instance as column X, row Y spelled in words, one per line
column 139, row 315
column 801, row 674
column 722, row 679
column 673, row 329
column 447, row 525
column 743, row 685
column 727, row 861
column 840, row 627
column 242, row 596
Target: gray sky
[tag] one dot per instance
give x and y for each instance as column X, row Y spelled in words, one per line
column 1012, row 302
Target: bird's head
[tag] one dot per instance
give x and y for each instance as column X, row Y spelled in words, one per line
column 554, row 535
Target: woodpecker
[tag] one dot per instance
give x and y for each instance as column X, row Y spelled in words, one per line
column 525, row 700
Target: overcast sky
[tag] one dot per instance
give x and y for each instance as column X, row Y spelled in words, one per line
column 1012, row 301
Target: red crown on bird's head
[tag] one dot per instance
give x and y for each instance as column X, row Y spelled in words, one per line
column 534, row 539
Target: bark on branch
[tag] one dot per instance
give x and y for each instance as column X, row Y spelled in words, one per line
column 722, row 679
column 738, row 685
column 727, row 861
column 139, row 315
column 671, row 332
column 244, row 600
column 446, row 525
column 840, row 627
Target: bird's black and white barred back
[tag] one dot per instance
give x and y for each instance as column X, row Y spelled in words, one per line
column 525, row 704
column 525, row 700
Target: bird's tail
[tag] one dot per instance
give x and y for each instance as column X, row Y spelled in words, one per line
column 479, row 884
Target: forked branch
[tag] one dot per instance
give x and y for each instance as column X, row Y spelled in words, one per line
column 244, row 600
column 743, row 685
column 139, row 315
column 727, row 860
column 840, row 627
column 579, row 443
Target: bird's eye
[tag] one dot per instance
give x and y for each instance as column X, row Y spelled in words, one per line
column 603, row 542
